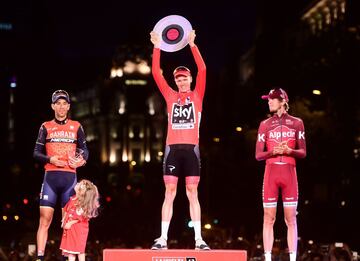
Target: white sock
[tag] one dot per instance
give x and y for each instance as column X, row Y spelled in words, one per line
column 164, row 229
column 197, row 229
column 292, row 256
column 267, row 256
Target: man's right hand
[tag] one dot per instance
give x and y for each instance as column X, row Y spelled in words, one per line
column 155, row 39
column 57, row 162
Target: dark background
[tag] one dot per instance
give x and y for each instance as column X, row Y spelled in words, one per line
column 69, row 44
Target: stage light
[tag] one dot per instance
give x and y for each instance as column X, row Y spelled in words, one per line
column 216, row 139
column 16, row 217
column 190, row 224
column 316, row 92
column 108, row 199
column 25, row 201
column 5, row 218
column 207, row 226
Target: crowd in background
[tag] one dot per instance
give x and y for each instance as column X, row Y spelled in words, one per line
column 308, row 250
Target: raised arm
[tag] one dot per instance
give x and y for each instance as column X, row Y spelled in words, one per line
column 156, row 70
column 201, row 67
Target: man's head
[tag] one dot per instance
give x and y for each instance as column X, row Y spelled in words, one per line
column 60, row 103
column 183, row 79
column 276, row 93
column 60, row 94
column 277, row 98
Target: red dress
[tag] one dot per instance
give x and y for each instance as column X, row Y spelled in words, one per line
column 74, row 239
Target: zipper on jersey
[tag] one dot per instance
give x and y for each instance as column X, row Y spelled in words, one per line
column 281, row 156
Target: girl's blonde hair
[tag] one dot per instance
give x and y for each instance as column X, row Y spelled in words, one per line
column 88, row 198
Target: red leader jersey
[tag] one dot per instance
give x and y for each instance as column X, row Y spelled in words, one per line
column 184, row 109
column 277, row 129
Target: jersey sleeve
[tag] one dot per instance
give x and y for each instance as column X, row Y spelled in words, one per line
column 163, row 86
column 39, row 150
column 81, row 142
column 201, row 74
column 260, row 152
column 300, row 150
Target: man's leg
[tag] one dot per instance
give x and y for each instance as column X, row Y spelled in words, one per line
column 46, row 215
column 194, row 205
column 167, row 207
column 195, row 210
column 166, row 211
column 268, row 230
column 292, row 234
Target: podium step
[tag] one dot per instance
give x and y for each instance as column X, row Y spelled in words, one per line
column 173, row 255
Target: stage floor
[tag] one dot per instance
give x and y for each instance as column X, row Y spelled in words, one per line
column 173, row 255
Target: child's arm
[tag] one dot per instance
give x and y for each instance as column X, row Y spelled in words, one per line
column 70, row 223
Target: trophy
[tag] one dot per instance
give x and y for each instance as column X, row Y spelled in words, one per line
column 174, row 32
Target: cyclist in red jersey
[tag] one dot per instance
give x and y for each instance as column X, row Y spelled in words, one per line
column 61, row 147
column 182, row 155
column 281, row 139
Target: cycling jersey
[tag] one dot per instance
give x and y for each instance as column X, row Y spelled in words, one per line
column 184, row 109
column 59, row 138
column 277, row 129
column 280, row 172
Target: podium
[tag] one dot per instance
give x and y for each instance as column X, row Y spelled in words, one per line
column 173, row 255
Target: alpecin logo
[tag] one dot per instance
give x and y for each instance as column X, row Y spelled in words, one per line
column 173, row 258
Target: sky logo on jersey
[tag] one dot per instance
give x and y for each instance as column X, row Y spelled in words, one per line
column 183, row 116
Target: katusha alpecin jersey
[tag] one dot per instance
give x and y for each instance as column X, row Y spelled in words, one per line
column 275, row 130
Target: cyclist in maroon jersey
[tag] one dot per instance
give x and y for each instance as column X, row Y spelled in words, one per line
column 280, row 140
column 182, row 155
column 61, row 147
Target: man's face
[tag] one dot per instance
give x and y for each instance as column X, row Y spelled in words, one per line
column 61, row 108
column 275, row 104
column 183, row 83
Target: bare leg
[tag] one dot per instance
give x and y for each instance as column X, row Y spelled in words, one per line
column 194, row 205
column 292, row 235
column 167, row 207
column 72, row 257
column 268, row 228
column 46, row 216
column 81, row 257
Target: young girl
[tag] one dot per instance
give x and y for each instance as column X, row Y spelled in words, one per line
column 77, row 213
